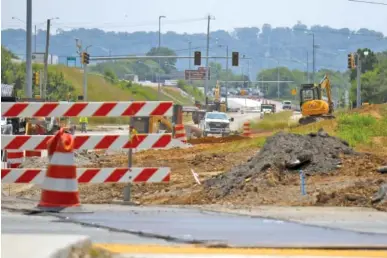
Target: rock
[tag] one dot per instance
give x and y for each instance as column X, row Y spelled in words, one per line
column 381, row 195
column 382, row 169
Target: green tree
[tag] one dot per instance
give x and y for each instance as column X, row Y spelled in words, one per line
column 367, row 64
column 110, row 76
column 168, row 64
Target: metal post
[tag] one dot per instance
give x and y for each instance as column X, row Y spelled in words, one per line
column 84, row 82
column 159, row 85
column 314, row 60
column 46, row 59
column 35, row 39
column 207, row 54
column 40, row 83
column 28, row 91
column 127, row 188
column 189, row 54
column 278, row 83
column 358, row 89
column 227, row 77
column 307, row 66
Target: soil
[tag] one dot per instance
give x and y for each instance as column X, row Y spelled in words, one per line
column 335, row 174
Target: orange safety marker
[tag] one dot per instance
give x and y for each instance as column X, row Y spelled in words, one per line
column 60, row 185
column 180, row 133
column 246, row 129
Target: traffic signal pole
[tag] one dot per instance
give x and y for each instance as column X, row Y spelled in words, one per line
column 46, row 61
column 358, row 78
column 85, row 82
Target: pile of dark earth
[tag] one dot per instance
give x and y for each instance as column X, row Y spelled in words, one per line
column 285, row 152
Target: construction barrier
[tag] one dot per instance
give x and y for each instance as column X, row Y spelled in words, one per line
column 180, row 133
column 31, row 153
column 246, row 129
column 60, row 185
column 93, row 142
column 60, row 189
column 88, row 109
column 91, row 175
column 15, row 158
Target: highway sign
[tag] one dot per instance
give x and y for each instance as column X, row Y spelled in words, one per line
column 294, row 92
column 196, row 74
column 71, row 58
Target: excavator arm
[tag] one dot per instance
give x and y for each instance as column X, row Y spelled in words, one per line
column 326, row 84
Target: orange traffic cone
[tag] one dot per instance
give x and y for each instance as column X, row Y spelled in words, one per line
column 180, row 133
column 60, row 185
column 246, row 129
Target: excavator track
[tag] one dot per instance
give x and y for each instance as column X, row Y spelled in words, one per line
column 314, row 119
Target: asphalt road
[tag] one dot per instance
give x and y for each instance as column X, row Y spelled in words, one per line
column 185, row 224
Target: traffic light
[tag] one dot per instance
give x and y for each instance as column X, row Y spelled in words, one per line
column 235, row 58
column 85, row 58
column 351, row 61
column 198, row 58
column 35, row 78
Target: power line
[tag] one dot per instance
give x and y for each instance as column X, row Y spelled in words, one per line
column 367, row 2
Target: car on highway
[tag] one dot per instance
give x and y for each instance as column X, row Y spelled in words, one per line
column 217, row 123
column 286, row 104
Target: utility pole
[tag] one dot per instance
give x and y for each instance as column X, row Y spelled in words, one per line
column 358, row 76
column 46, row 59
column 28, row 91
column 207, row 52
column 307, row 66
column 314, row 60
column 189, row 54
column 227, row 77
column 278, row 82
column 40, row 83
column 35, row 39
column 158, row 52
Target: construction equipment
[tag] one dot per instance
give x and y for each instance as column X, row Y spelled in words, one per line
column 313, row 107
column 154, row 124
column 217, row 104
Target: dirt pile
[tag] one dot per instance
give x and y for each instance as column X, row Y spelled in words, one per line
column 313, row 153
column 82, row 159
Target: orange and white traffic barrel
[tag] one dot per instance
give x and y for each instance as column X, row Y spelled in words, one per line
column 180, row 133
column 246, row 129
column 15, row 158
column 60, row 185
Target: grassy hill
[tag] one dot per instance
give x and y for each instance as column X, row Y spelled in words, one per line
column 101, row 90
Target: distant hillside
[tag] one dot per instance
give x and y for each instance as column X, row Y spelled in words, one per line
column 288, row 45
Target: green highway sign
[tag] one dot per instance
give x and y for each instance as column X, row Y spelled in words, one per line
column 71, row 58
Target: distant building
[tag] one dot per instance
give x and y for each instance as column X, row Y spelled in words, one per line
column 131, row 77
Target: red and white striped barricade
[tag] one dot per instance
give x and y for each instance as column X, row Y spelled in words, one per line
column 15, row 158
column 91, row 142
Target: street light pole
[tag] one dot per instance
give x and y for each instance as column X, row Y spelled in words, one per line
column 159, row 85
column 314, row 59
column 28, row 91
column 227, row 77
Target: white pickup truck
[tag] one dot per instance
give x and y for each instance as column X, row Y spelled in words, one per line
column 215, row 123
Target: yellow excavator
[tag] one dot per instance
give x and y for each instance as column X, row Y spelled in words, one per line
column 217, row 105
column 313, row 107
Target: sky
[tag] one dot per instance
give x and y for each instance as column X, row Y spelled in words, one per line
column 183, row 16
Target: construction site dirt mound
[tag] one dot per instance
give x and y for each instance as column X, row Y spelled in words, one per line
column 206, row 140
column 312, row 153
column 375, row 110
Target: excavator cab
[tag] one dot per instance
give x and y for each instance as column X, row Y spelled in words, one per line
column 313, row 106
